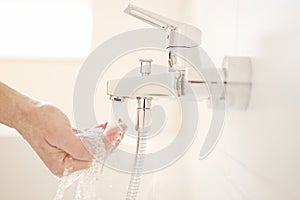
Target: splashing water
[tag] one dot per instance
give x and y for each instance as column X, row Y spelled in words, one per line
column 97, row 144
column 100, row 143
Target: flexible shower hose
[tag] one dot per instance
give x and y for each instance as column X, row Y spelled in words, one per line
column 137, row 168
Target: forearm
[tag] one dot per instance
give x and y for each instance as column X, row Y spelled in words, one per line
column 45, row 128
column 14, row 106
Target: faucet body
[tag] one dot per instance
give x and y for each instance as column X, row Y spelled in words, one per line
column 230, row 84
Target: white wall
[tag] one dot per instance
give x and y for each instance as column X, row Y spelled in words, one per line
column 258, row 155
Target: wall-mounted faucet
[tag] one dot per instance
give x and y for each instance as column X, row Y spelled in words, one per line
column 230, row 85
column 235, row 74
column 184, row 82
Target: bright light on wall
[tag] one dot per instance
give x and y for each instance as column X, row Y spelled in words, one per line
column 45, row 29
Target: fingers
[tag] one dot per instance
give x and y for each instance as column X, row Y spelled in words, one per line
column 68, row 166
column 71, row 165
column 72, row 153
column 114, row 136
column 73, row 146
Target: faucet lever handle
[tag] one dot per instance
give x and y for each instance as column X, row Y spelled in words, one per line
column 151, row 18
column 172, row 27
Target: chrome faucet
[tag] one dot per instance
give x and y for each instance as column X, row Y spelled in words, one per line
column 232, row 84
column 234, row 75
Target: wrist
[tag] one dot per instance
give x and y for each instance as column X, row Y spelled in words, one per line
column 13, row 106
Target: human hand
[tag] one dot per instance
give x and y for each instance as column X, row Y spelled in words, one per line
column 49, row 132
column 113, row 135
column 103, row 139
